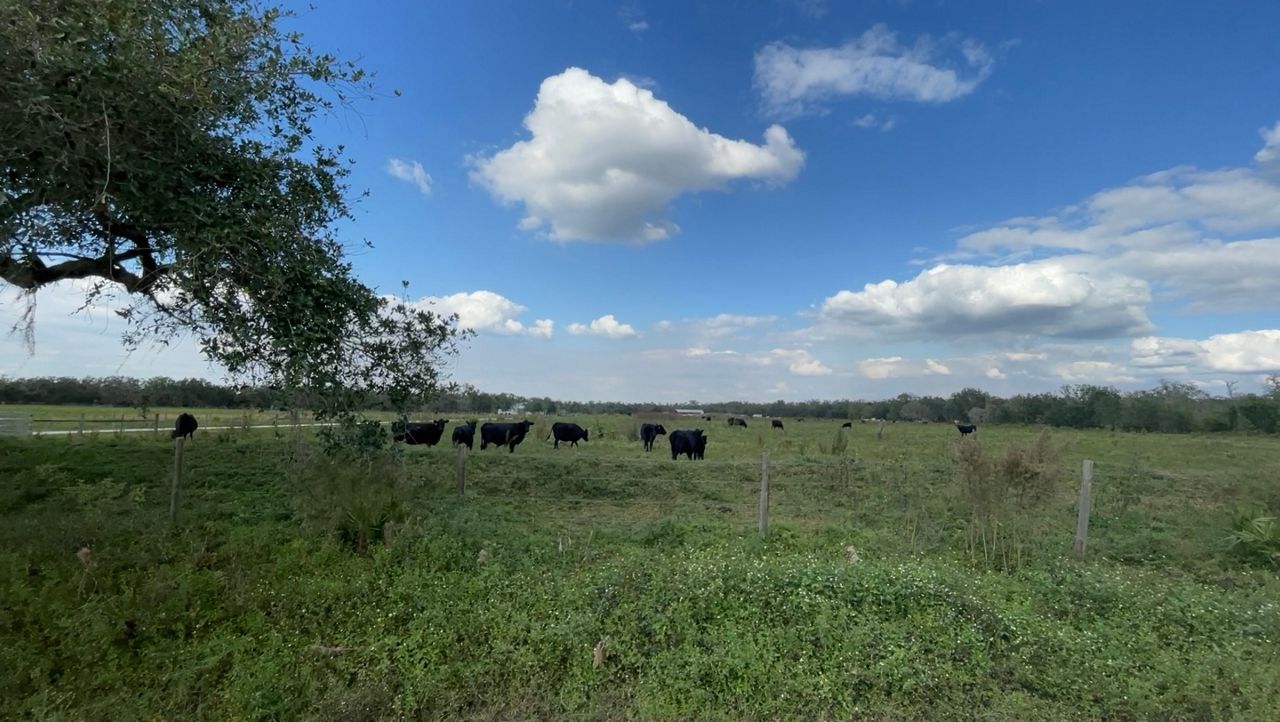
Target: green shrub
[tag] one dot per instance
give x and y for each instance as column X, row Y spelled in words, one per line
column 1256, row 538
column 352, row 496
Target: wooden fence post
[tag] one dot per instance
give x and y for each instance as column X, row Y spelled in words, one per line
column 120, row 429
column 1082, row 517
column 764, row 493
column 177, row 481
column 82, row 424
column 156, row 427
column 880, row 431
column 462, row 470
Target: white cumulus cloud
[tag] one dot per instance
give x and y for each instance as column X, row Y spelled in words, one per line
column 800, row 362
column 1044, row 298
column 882, row 368
column 1270, row 152
column 793, row 80
column 1242, row 352
column 1208, row 238
column 935, row 367
column 604, row 160
column 410, row 172
column 486, row 311
column 606, row 326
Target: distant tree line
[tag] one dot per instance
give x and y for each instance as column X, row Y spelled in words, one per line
column 1169, row 407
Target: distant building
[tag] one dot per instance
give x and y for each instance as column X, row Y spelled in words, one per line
column 516, row 409
column 688, row 412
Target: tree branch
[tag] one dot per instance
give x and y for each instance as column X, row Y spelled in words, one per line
column 32, row 272
column 143, row 250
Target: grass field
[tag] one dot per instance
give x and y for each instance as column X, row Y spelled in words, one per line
column 109, row 419
column 605, row 583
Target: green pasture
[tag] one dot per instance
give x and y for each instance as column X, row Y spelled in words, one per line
column 109, row 419
column 601, row 582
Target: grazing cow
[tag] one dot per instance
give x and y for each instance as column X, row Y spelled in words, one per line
column 507, row 435
column 465, row 434
column 706, row 418
column 568, row 433
column 777, row 424
column 415, row 432
column 965, row 429
column 692, row 444
column 649, row 433
column 185, row 426
column 735, row 421
column 847, row 425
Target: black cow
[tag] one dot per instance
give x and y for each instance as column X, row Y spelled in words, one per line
column 416, row 432
column 965, row 429
column 185, row 426
column 777, row 424
column 735, row 421
column 690, row 443
column 465, row 434
column 504, row 434
column 568, row 433
column 847, row 425
column 650, row 432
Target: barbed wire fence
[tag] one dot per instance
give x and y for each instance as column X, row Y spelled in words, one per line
column 796, row 490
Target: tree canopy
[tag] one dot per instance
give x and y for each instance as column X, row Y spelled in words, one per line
column 166, row 147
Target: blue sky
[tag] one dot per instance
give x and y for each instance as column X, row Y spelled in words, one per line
column 796, row 199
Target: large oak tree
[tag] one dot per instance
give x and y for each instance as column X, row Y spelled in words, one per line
column 166, row 147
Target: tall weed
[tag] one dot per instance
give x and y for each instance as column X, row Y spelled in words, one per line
column 998, row 491
column 352, row 496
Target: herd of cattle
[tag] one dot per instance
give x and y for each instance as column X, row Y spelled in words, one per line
column 690, row 442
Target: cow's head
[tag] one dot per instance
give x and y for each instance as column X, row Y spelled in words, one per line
column 584, row 435
column 660, row 429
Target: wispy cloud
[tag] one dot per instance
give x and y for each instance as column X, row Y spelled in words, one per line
column 410, row 172
column 871, row 121
column 794, row 80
